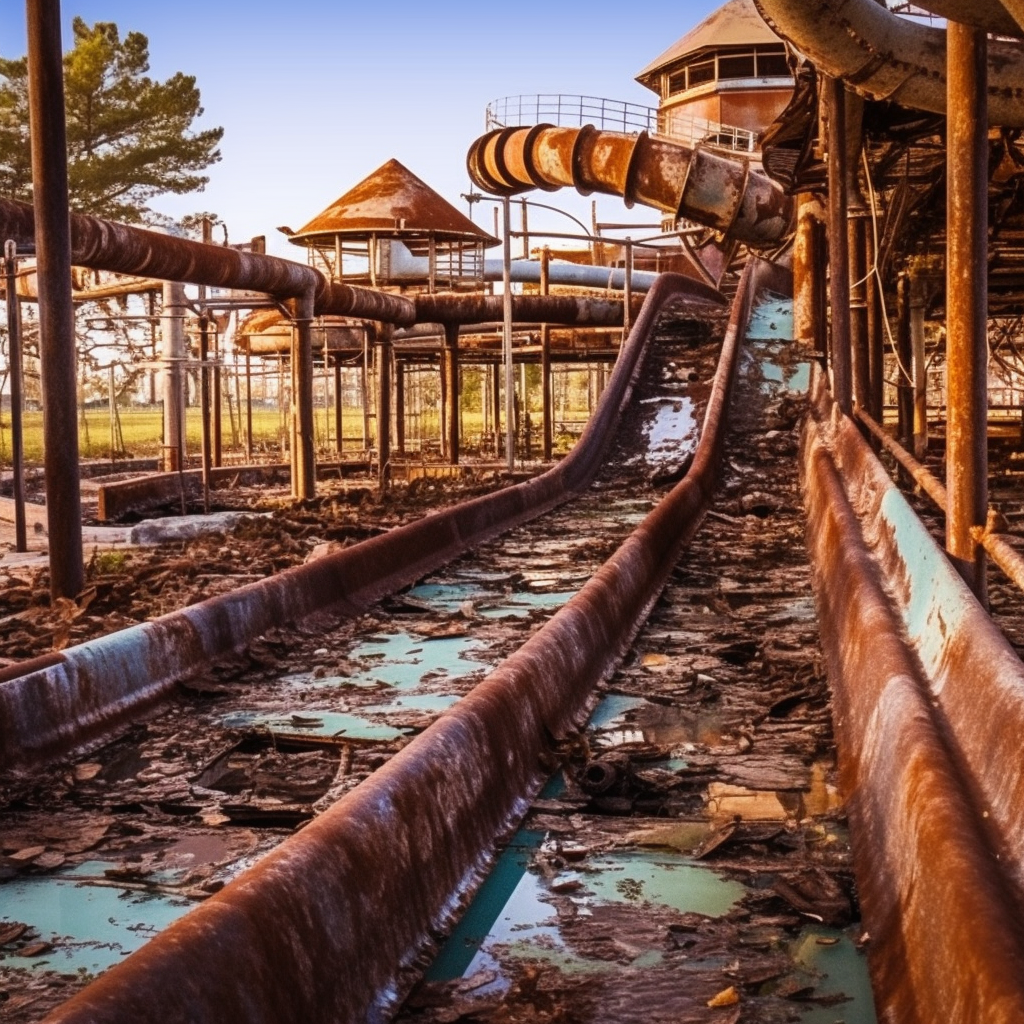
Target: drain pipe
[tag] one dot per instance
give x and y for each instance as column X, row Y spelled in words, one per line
column 886, row 57
column 701, row 183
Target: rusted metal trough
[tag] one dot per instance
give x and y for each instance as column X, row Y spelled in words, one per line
column 59, row 701
column 332, row 924
column 929, row 711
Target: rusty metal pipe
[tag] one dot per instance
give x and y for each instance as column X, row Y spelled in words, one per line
column 52, row 704
column 838, row 248
column 882, row 56
column 701, row 184
column 808, row 274
column 17, row 396
column 106, row 245
column 450, row 381
column 302, row 309
column 997, row 545
column 48, row 136
column 437, row 808
column 920, row 474
column 967, row 303
column 922, row 847
column 1000, row 17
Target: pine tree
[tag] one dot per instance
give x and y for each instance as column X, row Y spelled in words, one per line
column 129, row 137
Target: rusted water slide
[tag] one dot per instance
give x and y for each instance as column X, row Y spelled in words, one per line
column 927, row 749
column 929, row 695
column 438, row 807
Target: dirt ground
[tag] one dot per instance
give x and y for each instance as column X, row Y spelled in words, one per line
column 127, row 586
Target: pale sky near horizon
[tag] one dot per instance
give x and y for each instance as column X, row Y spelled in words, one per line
column 313, row 96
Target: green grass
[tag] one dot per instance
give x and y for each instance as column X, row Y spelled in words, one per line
column 141, row 430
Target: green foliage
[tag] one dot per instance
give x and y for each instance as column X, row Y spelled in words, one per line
column 129, row 136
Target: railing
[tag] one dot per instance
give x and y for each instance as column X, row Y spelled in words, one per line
column 617, row 116
column 681, row 125
column 571, row 111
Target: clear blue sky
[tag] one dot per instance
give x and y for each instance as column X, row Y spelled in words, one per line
column 313, row 95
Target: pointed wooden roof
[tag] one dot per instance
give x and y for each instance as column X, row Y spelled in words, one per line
column 391, row 201
column 737, row 23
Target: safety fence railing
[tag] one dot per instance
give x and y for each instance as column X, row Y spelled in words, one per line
column 567, row 111
column 570, row 111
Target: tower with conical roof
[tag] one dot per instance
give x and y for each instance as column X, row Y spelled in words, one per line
column 389, row 213
column 730, row 71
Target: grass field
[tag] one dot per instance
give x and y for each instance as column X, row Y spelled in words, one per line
column 141, row 430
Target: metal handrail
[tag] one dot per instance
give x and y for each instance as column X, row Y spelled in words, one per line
column 566, row 111
column 570, row 111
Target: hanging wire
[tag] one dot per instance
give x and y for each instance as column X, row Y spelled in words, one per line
column 874, row 271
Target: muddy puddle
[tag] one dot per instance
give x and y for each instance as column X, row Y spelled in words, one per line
column 79, row 922
column 514, row 914
column 547, row 905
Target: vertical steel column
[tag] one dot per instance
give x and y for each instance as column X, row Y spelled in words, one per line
column 545, row 358
column 857, row 236
column 216, row 404
column 383, row 346
column 213, row 387
column 876, row 329
column 400, row 406
column 838, row 250
column 364, row 387
column 248, row 405
column 303, row 448
column 920, row 366
column 450, row 358
column 496, row 406
column 338, row 396
column 172, row 332
column 966, row 299
column 48, row 134
column 808, row 275
column 905, row 355
column 17, row 395
column 627, row 290
column 506, row 348
column 857, row 231
column 204, row 404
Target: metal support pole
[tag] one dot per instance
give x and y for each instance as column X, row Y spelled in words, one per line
column 808, row 255
column 338, row 397
column 204, row 405
column 111, row 413
column 857, row 234
column 48, row 134
column 17, row 395
column 450, row 358
column 920, row 366
column 384, row 404
column 495, row 372
column 303, row 448
column 627, row 290
column 248, row 406
column 364, row 388
column 545, row 359
column 966, row 299
column 506, row 348
column 838, row 250
column 876, row 328
column 216, row 403
column 905, row 355
column 172, row 331
column 400, row 406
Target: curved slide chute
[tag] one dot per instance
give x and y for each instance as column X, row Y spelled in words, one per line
column 705, row 184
